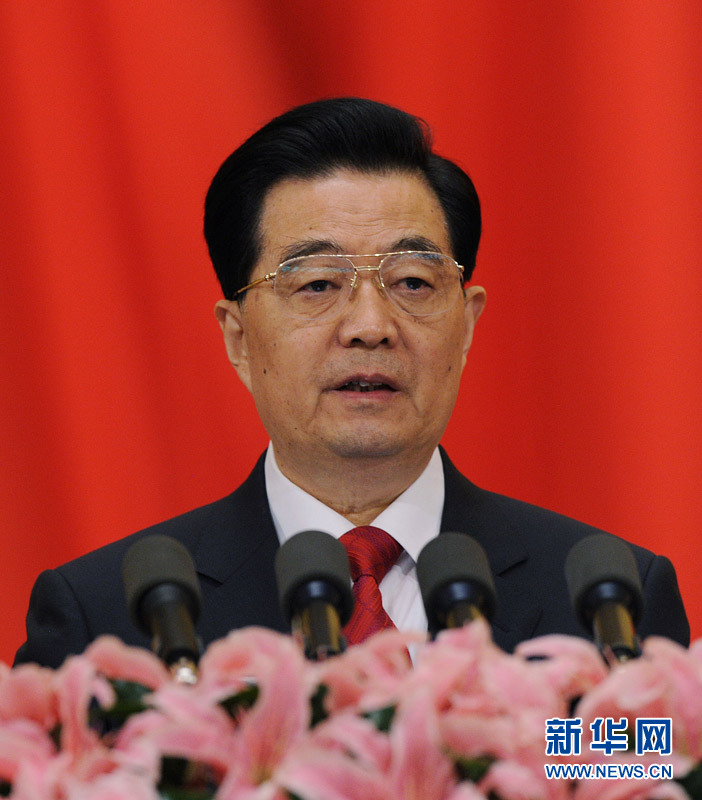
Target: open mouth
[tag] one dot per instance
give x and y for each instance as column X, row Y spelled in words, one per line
column 365, row 386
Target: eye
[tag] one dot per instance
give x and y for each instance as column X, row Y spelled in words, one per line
column 411, row 274
column 413, row 284
column 315, row 280
column 318, row 286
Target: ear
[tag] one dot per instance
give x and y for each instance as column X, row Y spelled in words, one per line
column 474, row 304
column 230, row 318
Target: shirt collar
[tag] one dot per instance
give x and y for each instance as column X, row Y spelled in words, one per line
column 413, row 519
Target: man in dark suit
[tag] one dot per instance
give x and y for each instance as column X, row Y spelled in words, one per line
column 344, row 247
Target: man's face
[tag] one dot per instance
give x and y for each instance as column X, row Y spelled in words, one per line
column 299, row 371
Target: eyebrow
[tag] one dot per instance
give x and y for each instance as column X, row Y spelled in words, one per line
column 310, row 247
column 420, row 243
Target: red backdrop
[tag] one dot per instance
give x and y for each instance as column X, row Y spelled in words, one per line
column 579, row 123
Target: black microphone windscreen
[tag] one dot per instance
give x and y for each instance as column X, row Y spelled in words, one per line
column 602, row 560
column 313, row 556
column 455, row 558
column 153, row 561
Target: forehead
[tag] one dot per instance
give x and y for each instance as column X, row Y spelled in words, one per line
column 350, row 212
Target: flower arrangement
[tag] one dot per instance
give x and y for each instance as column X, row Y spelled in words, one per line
column 466, row 721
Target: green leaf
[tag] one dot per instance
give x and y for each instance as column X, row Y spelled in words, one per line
column 473, row 769
column 5, row 788
column 55, row 735
column 182, row 779
column 382, row 718
column 692, row 782
column 129, row 700
column 241, row 701
column 185, row 794
column 173, row 773
column 319, row 713
column 130, row 697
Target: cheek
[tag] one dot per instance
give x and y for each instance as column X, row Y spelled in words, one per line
column 278, row 367
column 445, row 351
column 442, row 366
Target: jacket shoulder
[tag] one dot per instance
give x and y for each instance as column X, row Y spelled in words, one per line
column 74, row 603
column 527, row 547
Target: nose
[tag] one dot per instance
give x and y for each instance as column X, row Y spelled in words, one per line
column 368, row 318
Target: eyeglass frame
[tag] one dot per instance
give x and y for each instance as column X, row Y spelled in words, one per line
column 270, row 276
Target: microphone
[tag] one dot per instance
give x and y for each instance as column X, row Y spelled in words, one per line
column 605, row 590
column 163, row 597
column 314, row 585
column 455, row 581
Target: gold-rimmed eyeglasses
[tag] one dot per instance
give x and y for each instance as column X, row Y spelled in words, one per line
column 317, row 286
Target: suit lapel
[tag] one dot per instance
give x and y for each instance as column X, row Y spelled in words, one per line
column 235, row 561
column 470, row 510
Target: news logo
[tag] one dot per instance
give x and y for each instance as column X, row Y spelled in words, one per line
column 650, row 735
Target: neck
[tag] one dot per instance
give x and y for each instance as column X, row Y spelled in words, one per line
column 358, row 489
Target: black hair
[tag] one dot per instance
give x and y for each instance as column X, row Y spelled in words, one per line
column 313, row 140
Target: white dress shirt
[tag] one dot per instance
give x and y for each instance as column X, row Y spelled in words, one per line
column 413, row 519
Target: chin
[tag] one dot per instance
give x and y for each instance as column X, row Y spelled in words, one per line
column 361, row 445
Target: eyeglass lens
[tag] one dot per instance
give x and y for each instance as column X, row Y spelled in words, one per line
column 419, row 283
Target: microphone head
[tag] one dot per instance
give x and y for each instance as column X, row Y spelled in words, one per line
column 601, row 568
column 318, row 560
column 454, row 560
column 158, row 560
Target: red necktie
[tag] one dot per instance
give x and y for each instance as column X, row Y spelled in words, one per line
column 371, row 554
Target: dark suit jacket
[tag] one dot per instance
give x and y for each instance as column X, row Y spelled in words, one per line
column 233, row 542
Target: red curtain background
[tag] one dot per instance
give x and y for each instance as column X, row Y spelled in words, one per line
column 579, row 123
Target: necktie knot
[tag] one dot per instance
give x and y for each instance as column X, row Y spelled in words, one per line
column 371, row 551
